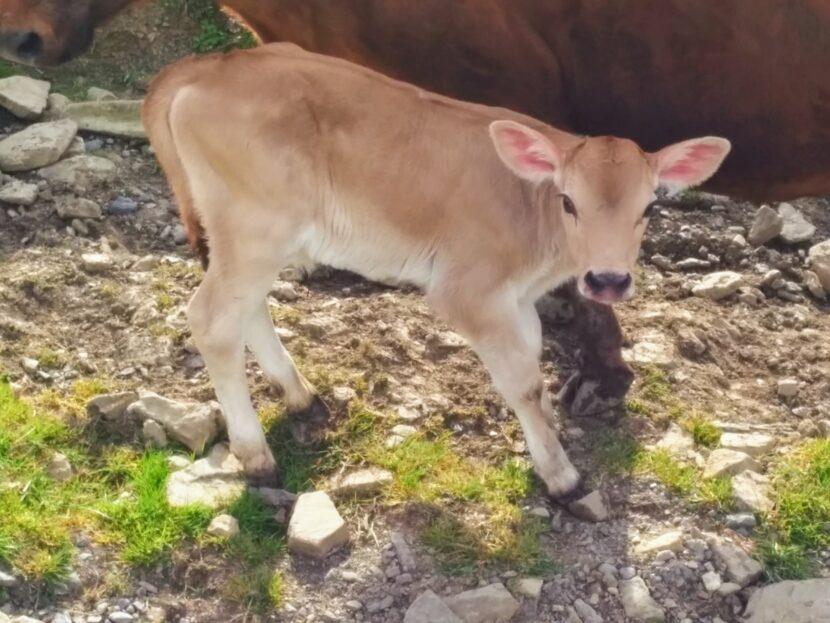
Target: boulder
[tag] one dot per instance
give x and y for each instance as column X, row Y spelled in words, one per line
column 740, row 566
column 753, row 444
column 750, row 491
column 802, row 601
column 39, row 145
column 490, row 604
column 316, row 528
column 428, row 608
column 81, row 173
column 24, row 97
column 368, row 481
column 212, row 481
column 796, row 228
column 193, row 424
column 725, row 462
column 116, row 118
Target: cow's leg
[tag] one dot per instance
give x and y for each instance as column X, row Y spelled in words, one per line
column 226, row 302
column 508, row 339
column 603, row 378
column 307, row 413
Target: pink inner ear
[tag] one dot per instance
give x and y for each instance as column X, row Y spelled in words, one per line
column 526, row 152
column 690, row 164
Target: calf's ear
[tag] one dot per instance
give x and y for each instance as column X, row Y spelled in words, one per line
column 689, row 163
column 526, row 152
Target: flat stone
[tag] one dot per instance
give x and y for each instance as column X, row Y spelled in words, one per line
column 638, row 603
column 750, row 491
column 796, row 228
column 368, row 481
column 97, row 94
column 193, row 424
column 766, row 226
column 223, row 526
column 24, row 97
column 212, row 481
column 529, row 587
column 802, row 601
column 788, row 388
column 111, row 407
column 315, row 527
column 590, row 508
column 77, row 207
column 19, row 193
column 59, row 468
column 725, row 462
column 676, row 441
column 405, row 556
column 753, row 444
column 490, row 604
column 672, row 541
column 652, row 349
column 728, row 588
column 719, row 285
column 819, row 255
column 153, row 433
column 740, row 567
column 97, row 263
column 115, row 118
column 39, row 145
column 428, row 608
column 82, row 173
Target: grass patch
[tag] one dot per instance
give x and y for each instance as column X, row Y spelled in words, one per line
column 702, row 430
column 800, row 523
column 145, row 524
column 217, row 33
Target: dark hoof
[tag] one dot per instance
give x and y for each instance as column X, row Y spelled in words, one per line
column 588, row 396
column 577, row 493
column 269, row 478
column 309, row 426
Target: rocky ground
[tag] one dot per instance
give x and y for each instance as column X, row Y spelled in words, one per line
column 728, row 335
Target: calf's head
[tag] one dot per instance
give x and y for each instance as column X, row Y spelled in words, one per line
column 603, row 191
column 48, row 32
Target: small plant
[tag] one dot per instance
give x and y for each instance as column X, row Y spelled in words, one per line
column 702, row 431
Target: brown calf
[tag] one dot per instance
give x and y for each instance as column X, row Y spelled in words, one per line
column 283, row 157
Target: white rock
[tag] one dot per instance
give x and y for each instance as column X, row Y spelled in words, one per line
column 39, row 145
column 766, row 226
column 24, row 97
column 728, row 588
column 7, row 580
column 119, row 616
column 750, row 491
column 212, row 481
column 19, row 193
column 711, row 581
column 796, row 228
column 316, row 528
column 819, row 255
column 719, row 285
column 342, row 396
column 96, row 263
column 724, row 462
column 59, row 468
column 672, row 541
column 178, row 462
column 97, row 94
column 404, row 430
column 405, row 556
column 153, row 433
column 753, row 444
column 529, row 587
column 193, row 424
column 804, row 601
column 812, row 282
column 652, row 349
column 539, row 511
column 490, row 604
column 740, row 567
column 428, row 608
column 111, row 407
column 116, row 118
column 676, row 441
column 223, row 526
column 638, row 602
column 366, row 481
column 788, row 388
column 586, row 613
column 590, row 508
column 82, row 173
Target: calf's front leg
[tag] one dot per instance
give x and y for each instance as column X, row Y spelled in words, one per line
column 509, row 342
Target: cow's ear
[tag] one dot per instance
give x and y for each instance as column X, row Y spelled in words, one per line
column 526, row 152
column 689, row 163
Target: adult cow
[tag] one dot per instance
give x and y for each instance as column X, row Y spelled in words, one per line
column 656, row 71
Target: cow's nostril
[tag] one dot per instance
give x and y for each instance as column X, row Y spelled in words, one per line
column 30, row 46
column 593, row 281
column 607, row 280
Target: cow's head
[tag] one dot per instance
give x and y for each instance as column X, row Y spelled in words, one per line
column 48, row 32
column 604, row 190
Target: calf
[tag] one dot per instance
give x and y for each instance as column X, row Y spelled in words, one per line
column 278, row 156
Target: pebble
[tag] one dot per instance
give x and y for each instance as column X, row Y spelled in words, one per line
column 795, row 228
column 590, row 508
column 429, row 608
column 711, row 581
column 719, row 285
column 223, row 526
column 788, row 387
column 766, row 225
column 97, row 263
column 638, row 602
column 672, row 541
column 483, row 605
column 316, row 528
column 529, row 587
column 59, row 468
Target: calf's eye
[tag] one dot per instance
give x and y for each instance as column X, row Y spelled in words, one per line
column 651, row 209
column 568, row 205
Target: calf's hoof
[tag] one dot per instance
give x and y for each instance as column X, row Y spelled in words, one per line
column 308, row 426
column 261, row 470
column 585, row 395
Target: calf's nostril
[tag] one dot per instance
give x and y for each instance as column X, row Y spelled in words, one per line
column 30, row 45
column 607, row 280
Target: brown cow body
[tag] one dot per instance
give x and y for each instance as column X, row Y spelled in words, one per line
column 652, row 70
